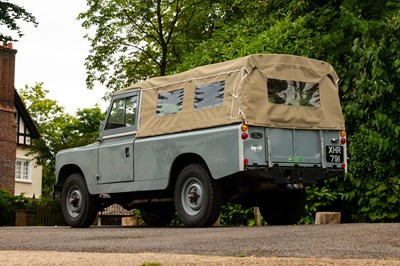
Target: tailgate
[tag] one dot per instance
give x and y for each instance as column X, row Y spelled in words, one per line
column 305, row 147
column 287, row 147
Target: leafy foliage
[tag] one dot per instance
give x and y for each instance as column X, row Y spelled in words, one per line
column 10, row 15
column 320, row 198
column 135, row 40
column 132, row 39
column 237, row 215
column 370, row 104
column 8, row 204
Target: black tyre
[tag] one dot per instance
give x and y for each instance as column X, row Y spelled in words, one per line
column 282, row 207
column 158, row 215
column 198, row 198
column 78, row 206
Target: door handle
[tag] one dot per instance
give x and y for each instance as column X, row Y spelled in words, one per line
column 127, row 153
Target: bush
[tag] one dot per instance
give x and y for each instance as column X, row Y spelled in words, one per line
column 320, row 197
column 8, row 204
column 237, row 215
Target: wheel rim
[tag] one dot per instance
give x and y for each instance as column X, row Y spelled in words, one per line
column 74, row 201
column 192, row 196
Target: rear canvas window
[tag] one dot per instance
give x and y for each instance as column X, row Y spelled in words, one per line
column 292, row 92
column 169, row 102
column 209, row 95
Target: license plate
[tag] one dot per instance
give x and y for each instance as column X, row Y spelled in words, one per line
column 334, row 154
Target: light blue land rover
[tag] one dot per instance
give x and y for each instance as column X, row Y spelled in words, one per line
column 254, row 131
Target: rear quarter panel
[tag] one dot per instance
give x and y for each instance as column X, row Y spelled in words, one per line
column 219, row 148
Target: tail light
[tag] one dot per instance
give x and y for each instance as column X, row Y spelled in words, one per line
column 343, row 135
column 244, row 129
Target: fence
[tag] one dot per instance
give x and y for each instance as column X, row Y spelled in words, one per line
column 49, row 215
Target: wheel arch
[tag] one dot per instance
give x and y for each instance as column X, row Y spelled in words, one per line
column 181, row 162
column 66, row 171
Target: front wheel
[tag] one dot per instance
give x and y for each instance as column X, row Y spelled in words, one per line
column 197, row 197
column 78, row 206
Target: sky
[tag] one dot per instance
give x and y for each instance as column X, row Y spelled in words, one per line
column 54, row 53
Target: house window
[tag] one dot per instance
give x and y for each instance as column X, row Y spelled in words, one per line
column 209, row 95
column 292, row 92
column 170, row 102
column 23, row 170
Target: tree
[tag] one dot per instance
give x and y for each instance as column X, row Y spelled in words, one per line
column 84, row 128
column 10, row 15
column 58, row 129
column 135, row 40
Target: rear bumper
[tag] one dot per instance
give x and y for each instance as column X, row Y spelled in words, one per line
column 292, row 174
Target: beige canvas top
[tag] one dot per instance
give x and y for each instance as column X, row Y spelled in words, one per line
column 272, row 90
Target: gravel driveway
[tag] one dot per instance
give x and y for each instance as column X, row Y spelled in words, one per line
column 343, row 244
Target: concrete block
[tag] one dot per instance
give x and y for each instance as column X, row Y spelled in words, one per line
column 129, row 221
column 327, row 218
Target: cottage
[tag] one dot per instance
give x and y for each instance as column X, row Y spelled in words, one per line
column 20, row 174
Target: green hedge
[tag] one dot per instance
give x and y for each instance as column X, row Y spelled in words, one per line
column 9, row 203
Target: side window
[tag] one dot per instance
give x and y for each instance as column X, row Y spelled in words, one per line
column 292, row 92
column 123, row 113
column 169, row 102
column 209, row 95
column 130, row 111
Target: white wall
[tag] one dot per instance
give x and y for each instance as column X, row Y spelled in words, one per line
column 33, row 187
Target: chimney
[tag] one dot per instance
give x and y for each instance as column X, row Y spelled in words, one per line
column 8, row 134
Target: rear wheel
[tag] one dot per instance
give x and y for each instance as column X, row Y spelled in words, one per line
column 78, row 206
column 198, row 198
column 158, row 215
column 282, row 207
